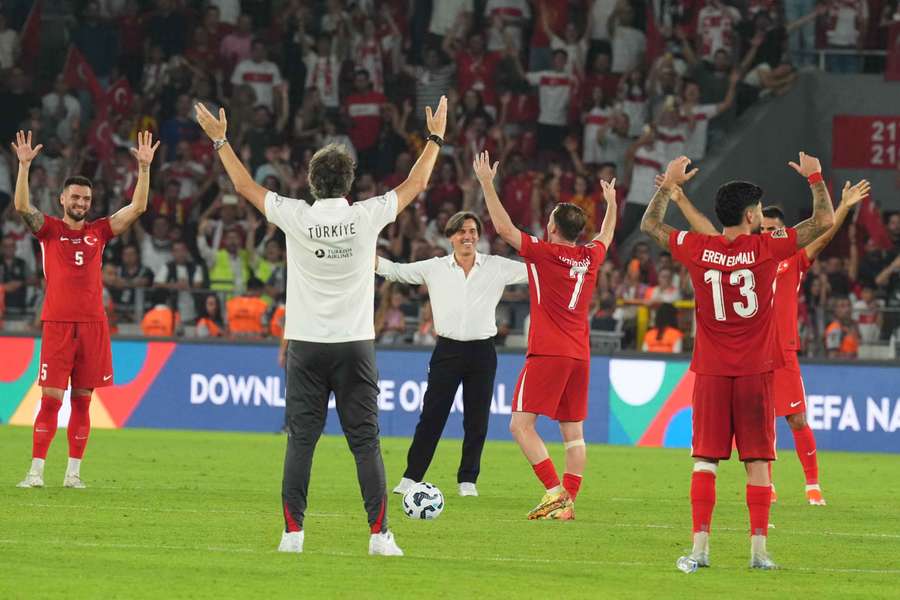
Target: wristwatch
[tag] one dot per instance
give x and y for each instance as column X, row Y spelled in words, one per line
column 436, row 139
column 217, row 144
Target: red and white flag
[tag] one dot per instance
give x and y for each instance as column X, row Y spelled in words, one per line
column 869, row 220
column 79, row 75
column 119, row 96
column 30, row 40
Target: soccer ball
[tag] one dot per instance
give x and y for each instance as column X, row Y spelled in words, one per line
column 423, row 501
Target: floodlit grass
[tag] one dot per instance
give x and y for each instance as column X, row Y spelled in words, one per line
column 188, row 514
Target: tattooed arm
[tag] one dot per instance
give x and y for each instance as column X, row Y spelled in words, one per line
column 823, row 211
column 652, row 223
column 33, row 218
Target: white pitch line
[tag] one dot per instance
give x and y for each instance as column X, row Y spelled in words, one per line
column 501, row 559
column 340, row 515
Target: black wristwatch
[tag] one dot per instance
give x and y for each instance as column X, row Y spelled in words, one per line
column 436, row 139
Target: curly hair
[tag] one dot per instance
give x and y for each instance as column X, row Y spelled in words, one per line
column 331, row 172
column 735, row 197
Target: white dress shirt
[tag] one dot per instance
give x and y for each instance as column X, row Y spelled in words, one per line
column 464, row 308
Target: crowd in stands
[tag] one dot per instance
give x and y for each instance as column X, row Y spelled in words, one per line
column 562, row 93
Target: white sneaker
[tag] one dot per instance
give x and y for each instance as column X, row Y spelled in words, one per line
column 404, row 486
column 291, row 541
column 32, row 480
column 383, row 544
column 467, row 488
column 73, row 480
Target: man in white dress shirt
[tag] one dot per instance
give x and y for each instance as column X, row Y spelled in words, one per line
column 465, row 288
column 329, row 314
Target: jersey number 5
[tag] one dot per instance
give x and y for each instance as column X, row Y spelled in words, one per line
column 576, row 273
column 79, row 257
column 744, row 279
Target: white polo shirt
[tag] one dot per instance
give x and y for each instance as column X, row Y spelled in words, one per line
column 330, row 260
column 464, row 308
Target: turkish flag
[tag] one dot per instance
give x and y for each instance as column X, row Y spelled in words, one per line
column 892, row 70
column 99, row 136
column 31, row 35
column 79, row 75
column 119, row 96
column 868, row 218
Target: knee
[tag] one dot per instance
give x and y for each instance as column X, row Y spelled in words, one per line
column 797, row 421
column 518, row 428
column 51, row 404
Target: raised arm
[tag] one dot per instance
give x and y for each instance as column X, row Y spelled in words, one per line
column 652, row 223
column 823, row 212
column 418, row 177
column 412, row 273
column 125, row 217
column 850, row 197
column 485, row 174
column 237, row 172
column 696, row 219
column 25, row 153
column 608, row 228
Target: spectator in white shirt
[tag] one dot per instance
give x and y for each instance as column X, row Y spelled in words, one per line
column 323, row 71
column 9, row 45
column 512, row 14
column 62, row 110
column 260, row 74
column 846, row 23
column 445, row 14
column 628, row 43
column 696, row 117
column 554, row 98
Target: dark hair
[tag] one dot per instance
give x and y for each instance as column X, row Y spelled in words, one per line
column 570, row 220
column 331, row 172
column 455, row 223
column 773, row 212
column 205, row 313
column 607, row 165
column 560, row 51
column 733, row 198
column 666, row 316
column 362, row 71
column 77, row 180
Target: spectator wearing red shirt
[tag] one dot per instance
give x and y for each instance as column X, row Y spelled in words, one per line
column 517, row 192
column 363, row 107
column 475, row 68
column 446, row 190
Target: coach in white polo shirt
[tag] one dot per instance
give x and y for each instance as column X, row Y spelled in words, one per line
column 465, row 289
column 329, row 318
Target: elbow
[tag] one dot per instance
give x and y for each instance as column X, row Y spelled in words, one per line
column 646, row 226
column 826, row 221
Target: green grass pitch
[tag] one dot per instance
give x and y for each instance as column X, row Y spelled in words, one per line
column 176, row 514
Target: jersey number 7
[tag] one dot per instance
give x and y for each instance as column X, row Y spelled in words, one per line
column 577, row 273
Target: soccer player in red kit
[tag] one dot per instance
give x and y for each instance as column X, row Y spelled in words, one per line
column 554, row 381
column 787, row 383
column 790, row 396
column 736, row 349
column 75, row 340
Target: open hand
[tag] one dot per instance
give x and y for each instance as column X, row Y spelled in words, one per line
column 677, row 173
column 808, row 165
column 22, row 147
column 483, row 169
column 213, row 127
column 145, row 150
column 437, row 121
column 851, row 195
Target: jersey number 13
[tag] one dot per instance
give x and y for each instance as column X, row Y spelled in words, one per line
column 742, row 279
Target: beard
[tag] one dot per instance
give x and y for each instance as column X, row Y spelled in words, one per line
column 75, row 216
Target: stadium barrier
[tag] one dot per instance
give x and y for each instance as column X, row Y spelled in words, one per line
column 633, row 400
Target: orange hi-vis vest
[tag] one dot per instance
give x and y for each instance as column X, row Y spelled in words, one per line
column 670, row 337
column 245, row 315
column 209, row 327
column 276, row 325
column 160, row 321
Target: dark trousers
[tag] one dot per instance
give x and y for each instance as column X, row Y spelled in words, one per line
column 315, row 370
column 473, row 364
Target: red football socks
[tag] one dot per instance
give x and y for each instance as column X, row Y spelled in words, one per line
column 546, row 472
column 759, row 500
column 805, row 443
column 45, row 426
column 703, row 499
column 79, row 426
column 572, row 483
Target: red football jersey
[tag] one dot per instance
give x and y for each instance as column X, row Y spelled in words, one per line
column 734, row 292
column 73, row 262
column 787, row 287
column 561, row 281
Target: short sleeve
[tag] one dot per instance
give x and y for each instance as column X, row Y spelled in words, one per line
column 381, row 209
column 803, row 260
column 279, row 209
column 48, row 229
column 104, row 229
column 679, row 245
column 534, row 78
column 782, row 242
column 598, row 252
column 528, row 246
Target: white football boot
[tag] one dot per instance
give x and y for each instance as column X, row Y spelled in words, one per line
column 404, row 486
column 291, row 541
column 32, row 480
column 73, row 480
column 467, row 488
column 383, row 544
